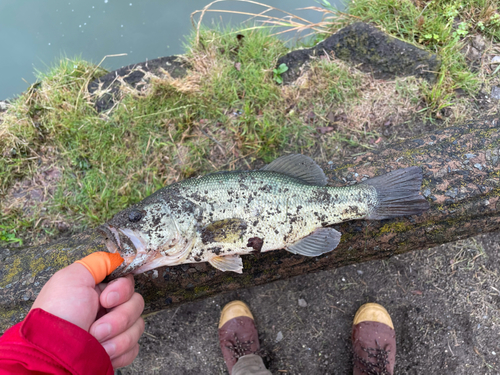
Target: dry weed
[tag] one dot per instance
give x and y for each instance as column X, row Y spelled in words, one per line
column 368, row 104
column 289, row 21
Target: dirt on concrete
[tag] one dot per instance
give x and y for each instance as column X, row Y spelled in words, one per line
column 444, row 303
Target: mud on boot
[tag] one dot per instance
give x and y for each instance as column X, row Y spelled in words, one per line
column 239, row 338
column 373, row 341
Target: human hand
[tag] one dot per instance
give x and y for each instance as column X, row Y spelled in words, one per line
column 109, row 312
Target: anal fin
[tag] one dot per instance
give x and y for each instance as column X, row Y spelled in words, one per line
column 227, row 263
column 321, row 241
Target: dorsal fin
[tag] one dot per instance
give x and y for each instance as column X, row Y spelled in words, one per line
column 298, row 166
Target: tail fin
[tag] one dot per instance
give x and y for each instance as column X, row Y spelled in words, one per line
column 398, row 194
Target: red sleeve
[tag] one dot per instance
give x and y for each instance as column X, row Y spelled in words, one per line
column 45, row 344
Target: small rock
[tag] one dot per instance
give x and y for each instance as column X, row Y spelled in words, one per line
column 3, row 106
column 184, row 267
column 470, row 156
column 452, row 193
column 495, row 92
column 279, row 336
column 478, row 166
column 442, row 172
column 154, row 275
column 360, row 272
column 478, row 43
column 495, row 60
column 200, row 267
column 426, row 192
column 302, row 302
column 62, row 226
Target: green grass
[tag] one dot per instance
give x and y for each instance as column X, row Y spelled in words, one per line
column 440, row 26
column 110, row 162
column 228, row 112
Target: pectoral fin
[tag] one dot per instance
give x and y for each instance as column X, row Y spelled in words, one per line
column 321, row 241
column 227, row 263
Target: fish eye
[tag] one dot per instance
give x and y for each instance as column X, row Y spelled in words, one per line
column 134, row 216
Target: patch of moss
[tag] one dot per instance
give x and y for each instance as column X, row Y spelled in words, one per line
column 201, row 290
column 398, row 227
column 14, row 270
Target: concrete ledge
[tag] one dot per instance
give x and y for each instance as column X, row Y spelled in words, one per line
column 461, row 168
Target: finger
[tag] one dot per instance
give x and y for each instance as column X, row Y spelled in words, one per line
column 117, row 292
column 119, row 319
column 127, row 358
column 124, row 342
column 101, row 264
column 70, row 294
column 102, row 311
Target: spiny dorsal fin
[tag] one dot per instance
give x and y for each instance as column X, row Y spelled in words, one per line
column 321, row 241
column 227, row 263
column 298, row 166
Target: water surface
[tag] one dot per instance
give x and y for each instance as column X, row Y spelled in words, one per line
column 35, row 34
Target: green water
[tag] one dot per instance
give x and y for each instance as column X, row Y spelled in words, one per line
column 35, row 34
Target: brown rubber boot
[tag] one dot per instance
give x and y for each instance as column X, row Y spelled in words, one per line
column 237, row 333
column 373, row 341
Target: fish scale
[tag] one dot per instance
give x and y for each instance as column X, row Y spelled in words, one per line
column 218, row 217
column 276, row 207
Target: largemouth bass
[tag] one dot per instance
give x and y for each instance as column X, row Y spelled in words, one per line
column 286, row 204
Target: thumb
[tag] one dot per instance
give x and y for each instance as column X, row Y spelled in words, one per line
column 101, row 264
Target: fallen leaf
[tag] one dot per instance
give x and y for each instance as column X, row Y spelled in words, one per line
column 341, row 117
column 237, row 66
column 331, row 117
column 324, row 129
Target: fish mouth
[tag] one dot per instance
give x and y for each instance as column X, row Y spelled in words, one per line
column 132, row 247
